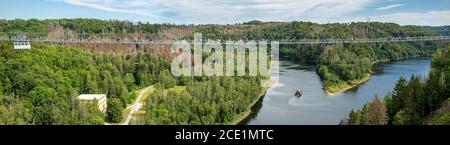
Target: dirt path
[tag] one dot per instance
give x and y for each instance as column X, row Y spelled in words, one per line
column 134, row 107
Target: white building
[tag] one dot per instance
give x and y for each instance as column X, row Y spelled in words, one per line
column 100, row 98
column 21, row 42
column 22, row 45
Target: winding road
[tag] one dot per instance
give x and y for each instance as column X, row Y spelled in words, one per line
column 134, row 107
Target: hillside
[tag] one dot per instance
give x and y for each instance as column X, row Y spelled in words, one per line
column 415, row 101
column 39, row 86
column 440, row 116
column 339, row 65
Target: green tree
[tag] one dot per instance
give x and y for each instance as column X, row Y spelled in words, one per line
column 1, row 88
column 129, row 81
column 166, row 79
column 354, row 118
column 45, row 103
column 398, row 100
column 389, row 108
column 14, row 111
column 114, row 110
column 89, row 113
column 401, row 118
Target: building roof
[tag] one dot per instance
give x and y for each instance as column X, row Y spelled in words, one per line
column 91, row 96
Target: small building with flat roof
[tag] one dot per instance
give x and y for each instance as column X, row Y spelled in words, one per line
column 21, row 42
column 100, row 98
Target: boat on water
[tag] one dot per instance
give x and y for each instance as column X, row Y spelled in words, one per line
column 298, row 93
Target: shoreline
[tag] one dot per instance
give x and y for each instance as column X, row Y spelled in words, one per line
column 240, row 117
column 357, row 83
column 248, row 111
column 245, row 114
column 365, row 79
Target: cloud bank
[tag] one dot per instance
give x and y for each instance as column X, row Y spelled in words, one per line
column 228, row 10
column 232, row 11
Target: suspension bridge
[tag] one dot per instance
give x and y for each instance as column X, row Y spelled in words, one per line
column 284, row 41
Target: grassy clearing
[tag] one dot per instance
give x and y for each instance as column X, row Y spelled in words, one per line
column 339, row 88
column 178, row 89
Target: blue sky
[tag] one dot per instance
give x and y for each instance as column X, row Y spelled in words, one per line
column 406, row 12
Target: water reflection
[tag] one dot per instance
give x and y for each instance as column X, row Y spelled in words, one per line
column 280, row 106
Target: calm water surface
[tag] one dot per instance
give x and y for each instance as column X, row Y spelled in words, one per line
column 280, row 106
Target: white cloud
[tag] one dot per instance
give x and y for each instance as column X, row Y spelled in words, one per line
column 389, row 7
column 225, row 11
column 430, row 18
column 231, row 11
column 419, row 18
column 112, row 6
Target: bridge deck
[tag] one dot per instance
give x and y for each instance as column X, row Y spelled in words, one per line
column 301, row 41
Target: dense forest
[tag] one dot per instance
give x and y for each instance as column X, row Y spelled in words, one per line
column 45, row 80
column 415, row 101
column 336, row 63
column 216, row 100
column 39, row 86
column 37, row 27
column 339, row 65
